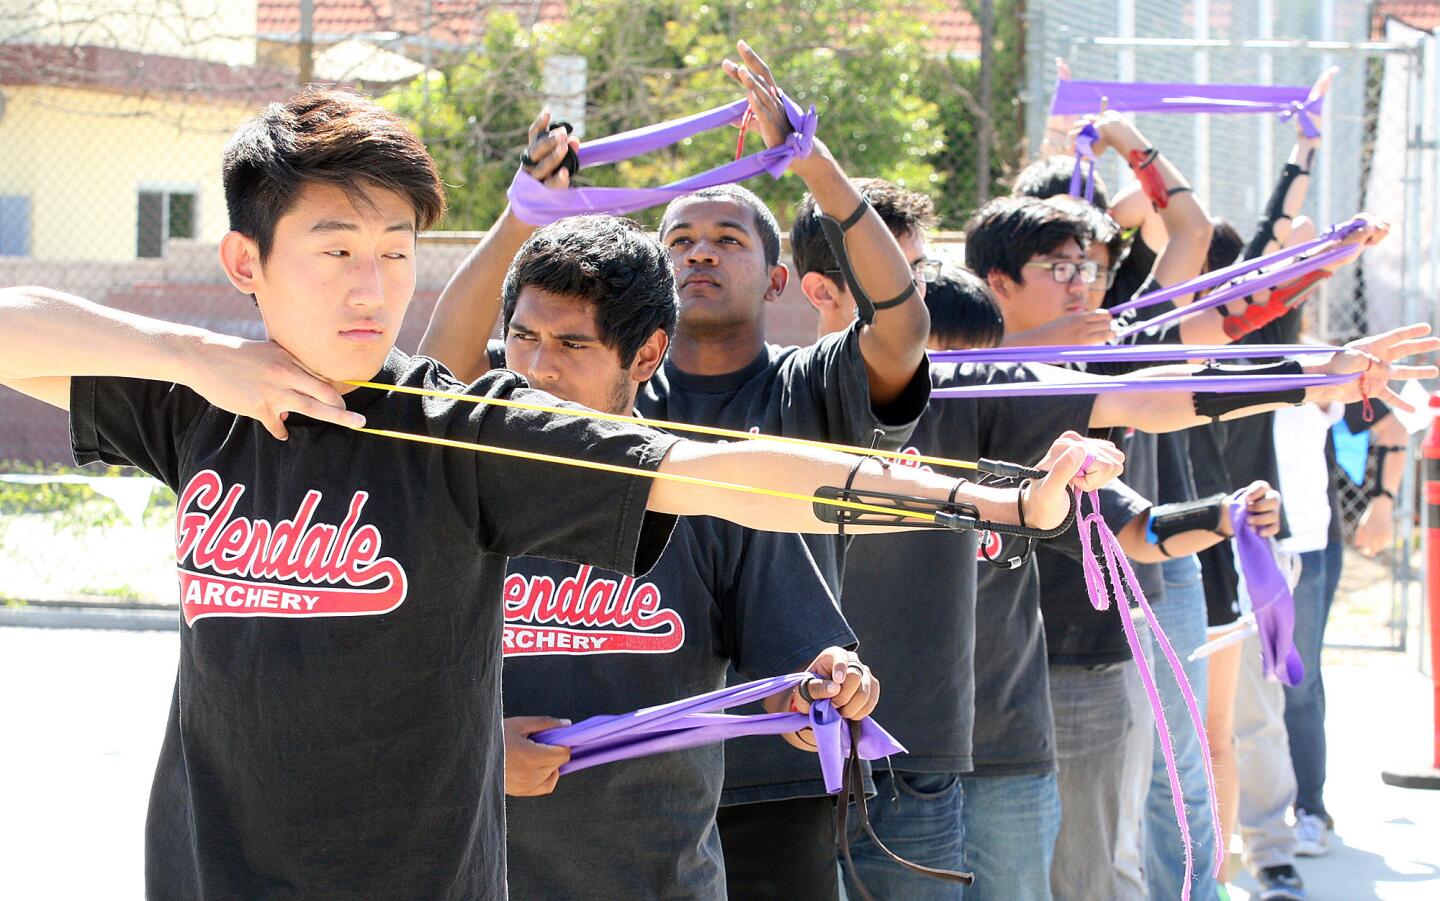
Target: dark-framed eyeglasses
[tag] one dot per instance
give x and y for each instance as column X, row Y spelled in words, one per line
column 1064, row 271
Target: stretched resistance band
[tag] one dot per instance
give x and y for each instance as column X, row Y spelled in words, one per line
column 691, row 722
column 1084, row 157
column 1218, row 384
column 1241, row 289
column 994, row 467
column 1078, row 98
column 1114, row 564
column 1126, row 353
column 536, row 204
column 1270, row 597
column 858, row 507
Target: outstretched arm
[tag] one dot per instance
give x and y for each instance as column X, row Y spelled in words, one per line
column 894, row 345
column 469, row 307
column 47, row 337
column 1377, row 358
column 803, row 472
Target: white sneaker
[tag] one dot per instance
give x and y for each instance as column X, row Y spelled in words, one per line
column 1310, row 836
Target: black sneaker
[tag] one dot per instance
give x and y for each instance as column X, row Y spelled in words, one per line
column 1281, row 883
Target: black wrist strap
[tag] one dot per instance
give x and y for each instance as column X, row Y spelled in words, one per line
column 1380, row 491
column 865, row 306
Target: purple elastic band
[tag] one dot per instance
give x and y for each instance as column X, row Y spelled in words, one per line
column 1125, row 353
column 1235, row 270
column 1243, row 288
column 1085, row 154
column 1270, row 597
column 536, row 204
column 692, row 722
column 1100, row 597
column 1217, row 384
column 1078, row 98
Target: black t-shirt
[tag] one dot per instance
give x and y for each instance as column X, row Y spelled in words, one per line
column 583, row 641
column 1013, row 732
column 820, row 392
column 911, row 597
column 336, row 726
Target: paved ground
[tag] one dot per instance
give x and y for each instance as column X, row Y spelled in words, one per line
column 83, row 712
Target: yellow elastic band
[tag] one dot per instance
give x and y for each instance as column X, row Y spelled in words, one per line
column 670, row 426
column 645, row 473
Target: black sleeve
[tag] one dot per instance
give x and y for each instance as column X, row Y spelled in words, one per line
column 1119, row 504
column 529, row 508
column 133, row 422
column 834, row 373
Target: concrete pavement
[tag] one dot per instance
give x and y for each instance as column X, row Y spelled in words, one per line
column 83, row 713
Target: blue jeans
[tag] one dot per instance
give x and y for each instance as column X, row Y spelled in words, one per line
column 1181, row 614
column 1305, row 703
column 1011, row 823
column 918, row 816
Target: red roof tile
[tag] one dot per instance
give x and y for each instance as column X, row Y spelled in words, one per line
column 953, row 31
column 450, row 21
column 1423, row 14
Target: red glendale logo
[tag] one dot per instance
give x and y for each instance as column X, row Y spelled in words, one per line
column 585, row 615
column 244, row 567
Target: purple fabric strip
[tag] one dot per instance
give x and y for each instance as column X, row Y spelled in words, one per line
column 1085, row 155
column 1239, row 289
column 536, row 204
column 1230, row 273
column 692, row 722
column 1101, row 598
column 1078, row 98
column 1127, row 353
column 1212, row 384
column 1270, row 597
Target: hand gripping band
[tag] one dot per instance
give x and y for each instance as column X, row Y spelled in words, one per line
column 1169, row 520
column 835, row 232
column 536, row 204
column 1085, row 157
column 1213, row 406
column 571, row 161
column 1283, row 299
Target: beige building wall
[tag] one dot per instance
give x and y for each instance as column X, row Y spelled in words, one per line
column 82, row 157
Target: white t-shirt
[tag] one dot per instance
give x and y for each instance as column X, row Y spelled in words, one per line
column 1304, row 475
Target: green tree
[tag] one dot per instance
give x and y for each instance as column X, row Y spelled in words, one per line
column 857, row 61
column 473, row 116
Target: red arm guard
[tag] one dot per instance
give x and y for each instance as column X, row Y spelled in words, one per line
column 1283, row 299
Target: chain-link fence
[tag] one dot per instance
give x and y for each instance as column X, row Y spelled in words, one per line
column 1377, row 155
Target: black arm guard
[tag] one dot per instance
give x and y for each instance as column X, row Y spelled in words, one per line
column 1274, row 212
column 1169, row 520
column 835, row 231
column 1213, row 406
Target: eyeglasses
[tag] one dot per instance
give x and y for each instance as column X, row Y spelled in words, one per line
column 927, row 271
column 1064, row 271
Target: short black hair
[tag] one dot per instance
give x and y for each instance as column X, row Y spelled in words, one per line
column 1008, row 231
column 1102, row 227
column 1226, row 244
column 323, row 137
column 765, row 224
column 903, row 211
column 963, row 312
column 1050, row 175
column 607, row 262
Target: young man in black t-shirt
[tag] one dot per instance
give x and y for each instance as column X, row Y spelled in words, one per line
column 335, row 731
column 588, row 308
